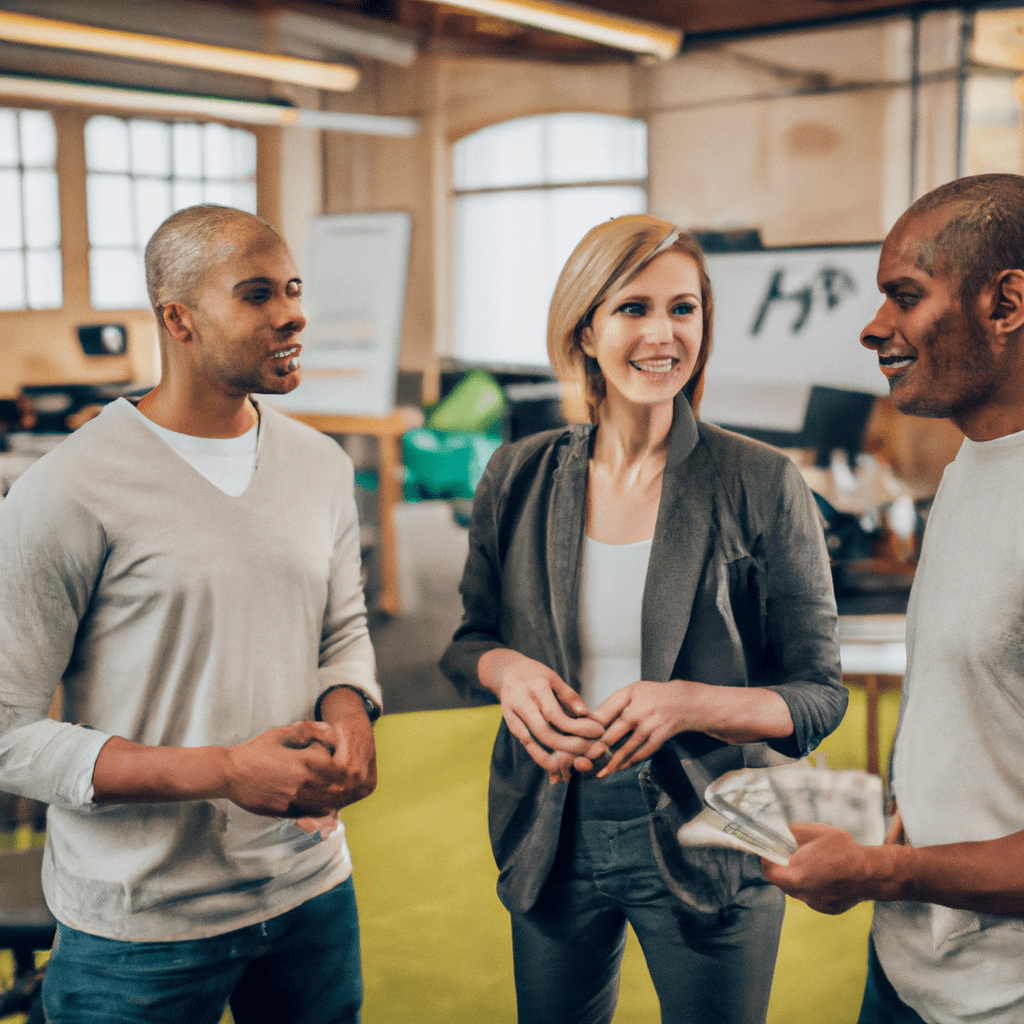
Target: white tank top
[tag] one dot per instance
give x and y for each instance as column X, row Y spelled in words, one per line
column 612, row 578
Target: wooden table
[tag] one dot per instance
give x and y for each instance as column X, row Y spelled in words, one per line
column 873, row 652
column 388, row 431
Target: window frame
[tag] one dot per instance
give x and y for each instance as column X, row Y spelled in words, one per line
column 456, row 193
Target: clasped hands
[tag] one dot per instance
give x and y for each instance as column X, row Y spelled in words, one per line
column 563, row 735
column 307, row 771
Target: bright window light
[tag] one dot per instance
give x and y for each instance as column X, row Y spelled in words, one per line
column 526, row 191
column 31, row 275
column 141, row 171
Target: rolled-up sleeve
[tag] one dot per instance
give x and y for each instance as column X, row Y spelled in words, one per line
column 480, row 630
column 801, row 620
column 51, row 554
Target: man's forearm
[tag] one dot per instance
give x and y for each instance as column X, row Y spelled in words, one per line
column 986, row 877
column 129, row 772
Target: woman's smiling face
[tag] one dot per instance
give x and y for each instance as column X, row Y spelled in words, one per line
column 646, row 337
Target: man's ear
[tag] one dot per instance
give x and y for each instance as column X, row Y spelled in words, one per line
column 177, row 321
column 1007, row 301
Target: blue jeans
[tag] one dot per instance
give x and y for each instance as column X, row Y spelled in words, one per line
column 568, row 947
column 881, row 1003
column 301, row 967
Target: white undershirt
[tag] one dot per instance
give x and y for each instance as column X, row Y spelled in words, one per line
column 227, row 462
column 612, row 578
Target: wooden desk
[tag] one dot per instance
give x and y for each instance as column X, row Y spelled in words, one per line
column 873, row 652
column 388, row 431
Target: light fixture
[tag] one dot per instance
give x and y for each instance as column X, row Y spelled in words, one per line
column 347, row 33
column 582, row 22
column 66, row 35
column 45, row 90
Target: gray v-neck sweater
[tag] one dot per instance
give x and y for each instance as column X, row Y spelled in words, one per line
column 175, row 615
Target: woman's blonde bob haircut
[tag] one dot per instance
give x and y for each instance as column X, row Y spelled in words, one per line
column 605, row 261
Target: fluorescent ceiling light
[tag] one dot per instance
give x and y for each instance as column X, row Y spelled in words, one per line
column 395, row 46
column 44, row 90
column 572, row 20
column 66, row 35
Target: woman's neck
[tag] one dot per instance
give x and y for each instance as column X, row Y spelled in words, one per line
column 631, row 441
column 626, row 467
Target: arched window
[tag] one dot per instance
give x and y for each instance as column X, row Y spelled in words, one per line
column 526, row 191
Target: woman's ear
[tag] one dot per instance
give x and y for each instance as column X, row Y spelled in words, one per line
column 587, row 341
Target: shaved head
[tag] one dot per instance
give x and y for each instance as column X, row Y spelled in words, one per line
column 191, row 241
column 980, row 234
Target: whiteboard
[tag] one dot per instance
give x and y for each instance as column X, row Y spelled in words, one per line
column 354, row 300
column 786, row 319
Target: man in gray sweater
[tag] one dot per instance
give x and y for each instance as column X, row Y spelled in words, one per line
column 188, row 569
column 948, row 931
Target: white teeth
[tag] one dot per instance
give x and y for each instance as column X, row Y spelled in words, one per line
column 654, row 365
column 284, row 352
column 896, row 362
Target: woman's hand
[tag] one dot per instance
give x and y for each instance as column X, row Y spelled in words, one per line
column 640, row 717
column 543, row 712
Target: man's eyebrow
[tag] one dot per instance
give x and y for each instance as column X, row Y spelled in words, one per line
column 263, row 280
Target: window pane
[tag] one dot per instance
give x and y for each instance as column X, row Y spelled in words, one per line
column 42, row 210
column 45, row 287
column 188, row 150
column 551, row 149
column 505, row 154
column 152, row 207
column 9, row 156
column 244, row 196
column 117, row 279
column 243, row 146
column 12, row 281
column 106, row 144
column 595, row 147
column 109, row 198
column 38, row 139
column 217, row 154
column 221, row 192
column 187, row 193
column 511, row 247
column 10, row 210
column 151, row 147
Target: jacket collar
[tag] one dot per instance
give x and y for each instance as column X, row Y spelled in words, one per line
column 680, row 540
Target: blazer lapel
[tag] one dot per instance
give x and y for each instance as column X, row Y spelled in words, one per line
column 565, row 524
column 682, row 537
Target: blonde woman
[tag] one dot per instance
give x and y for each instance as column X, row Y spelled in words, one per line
column 649, row 599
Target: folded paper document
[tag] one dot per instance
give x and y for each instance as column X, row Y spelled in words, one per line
column 752, row 809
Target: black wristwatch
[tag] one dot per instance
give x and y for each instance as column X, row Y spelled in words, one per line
column 372, row 710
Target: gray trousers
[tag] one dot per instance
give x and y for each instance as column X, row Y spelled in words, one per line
column 568, row 947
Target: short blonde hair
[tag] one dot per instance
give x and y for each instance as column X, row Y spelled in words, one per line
column 607, row 258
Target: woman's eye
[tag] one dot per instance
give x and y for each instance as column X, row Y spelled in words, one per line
column 633, row 308
column 683, row 308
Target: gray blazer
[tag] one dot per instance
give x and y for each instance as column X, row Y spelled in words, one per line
column 738, row 593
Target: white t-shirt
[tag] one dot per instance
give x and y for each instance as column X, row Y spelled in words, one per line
column 227, row 462
column 612, row 578
column 958, row 770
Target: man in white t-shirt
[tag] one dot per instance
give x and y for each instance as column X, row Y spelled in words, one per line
column 948, row 931
column 188, row 569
